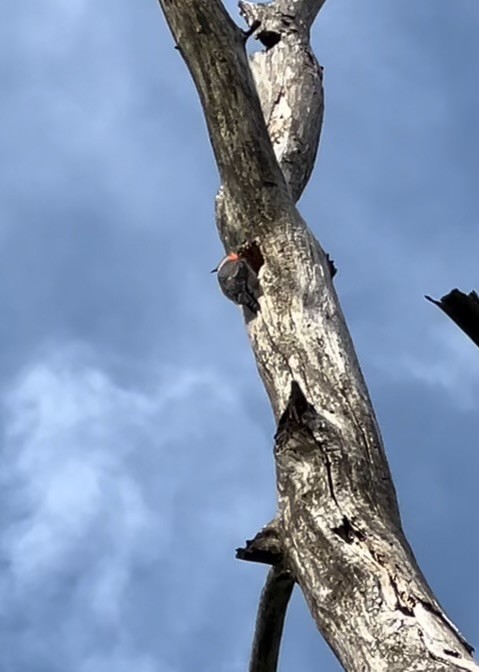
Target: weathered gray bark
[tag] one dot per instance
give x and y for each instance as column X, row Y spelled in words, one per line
column 337, row 532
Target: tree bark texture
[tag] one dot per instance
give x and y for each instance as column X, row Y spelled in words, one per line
column 337, row 532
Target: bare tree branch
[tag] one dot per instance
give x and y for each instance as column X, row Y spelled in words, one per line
column 338, row 519
column 266, row 547
column 214, row 50
column 463, row 309
column 270, row 620
column 289, row 84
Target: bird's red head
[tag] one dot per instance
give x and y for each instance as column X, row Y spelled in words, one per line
column 232, row 256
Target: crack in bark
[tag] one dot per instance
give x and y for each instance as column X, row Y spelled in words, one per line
column 401, row 604
column 348, row 532
column 439, row 614
column 443, row 658
column 329, row 474
column 345, row 531
column 406, row 603
column 294, row 411
column 454, row 654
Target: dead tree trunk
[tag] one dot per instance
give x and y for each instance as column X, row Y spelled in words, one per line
column 337, row 532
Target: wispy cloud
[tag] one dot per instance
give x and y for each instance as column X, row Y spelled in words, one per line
column 102, row 483
column 124, row 493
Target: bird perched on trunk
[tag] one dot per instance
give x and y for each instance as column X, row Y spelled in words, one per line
column 238, row 281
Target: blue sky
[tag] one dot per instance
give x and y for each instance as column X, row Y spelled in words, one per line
column 136, row 440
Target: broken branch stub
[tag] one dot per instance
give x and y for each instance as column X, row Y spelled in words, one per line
column 463, row 310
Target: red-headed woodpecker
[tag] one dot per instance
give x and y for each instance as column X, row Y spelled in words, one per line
column 238, row 281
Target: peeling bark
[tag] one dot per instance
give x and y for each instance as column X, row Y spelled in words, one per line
column 338, row 532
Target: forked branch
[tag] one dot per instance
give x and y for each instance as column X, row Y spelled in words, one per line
column 338, row 522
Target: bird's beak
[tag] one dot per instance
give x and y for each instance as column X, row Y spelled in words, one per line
column 215, row 270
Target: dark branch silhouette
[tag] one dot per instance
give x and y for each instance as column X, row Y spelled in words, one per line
column 463, row 309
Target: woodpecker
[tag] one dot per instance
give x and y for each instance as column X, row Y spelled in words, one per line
column 238, row 281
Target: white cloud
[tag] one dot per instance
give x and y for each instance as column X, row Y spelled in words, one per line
column 449, row 364
column 429, row 351
column 69, row 433
column 61, row 427
column 106, row 483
